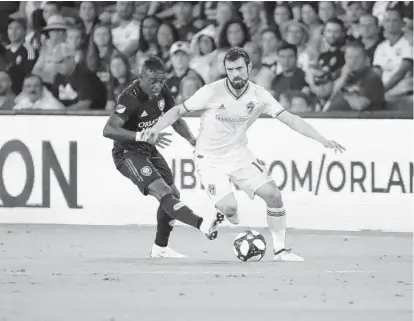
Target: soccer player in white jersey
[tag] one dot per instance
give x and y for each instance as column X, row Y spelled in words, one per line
column 229, row 107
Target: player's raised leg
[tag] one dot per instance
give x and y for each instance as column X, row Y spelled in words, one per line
column 149, row 181
column 276, row 221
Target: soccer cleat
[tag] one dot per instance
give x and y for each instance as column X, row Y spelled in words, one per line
column 158, row 251
column 286, row 255
column 234, row 219
column 212, row 233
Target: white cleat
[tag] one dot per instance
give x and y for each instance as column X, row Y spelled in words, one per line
column 234, row 219
column 158, row 251
column 286, row 255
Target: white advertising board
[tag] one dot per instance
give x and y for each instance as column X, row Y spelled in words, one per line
column 59, row 169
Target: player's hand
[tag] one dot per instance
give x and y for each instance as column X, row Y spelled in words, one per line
column 193, row 142
column 151, row 136
column 162, row 140
column 336, row 146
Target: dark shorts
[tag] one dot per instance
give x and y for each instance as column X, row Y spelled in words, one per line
column 143, row 168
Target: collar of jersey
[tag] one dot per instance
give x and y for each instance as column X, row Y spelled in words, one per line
column 231, row 93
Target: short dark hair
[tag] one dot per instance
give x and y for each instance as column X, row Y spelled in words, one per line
column 338, row 22
column 235, row 53
column 287, row 46
column 154, row 64
column 356, row 44
column 34, row 76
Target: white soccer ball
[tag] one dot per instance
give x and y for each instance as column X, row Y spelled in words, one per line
column 249, row 246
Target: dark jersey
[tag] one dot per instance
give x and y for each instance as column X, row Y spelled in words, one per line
column 140, row 112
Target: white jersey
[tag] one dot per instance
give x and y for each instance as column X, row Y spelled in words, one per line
column 226, row 118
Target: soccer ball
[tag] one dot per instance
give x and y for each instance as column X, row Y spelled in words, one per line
column 249, row 246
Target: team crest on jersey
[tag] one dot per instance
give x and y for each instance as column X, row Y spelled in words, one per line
column 120, row 108
column 212, row 189
column 250, row 107
column 161, row 104
column 146, row 171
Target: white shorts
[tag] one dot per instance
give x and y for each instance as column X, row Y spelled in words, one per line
column 219, row 176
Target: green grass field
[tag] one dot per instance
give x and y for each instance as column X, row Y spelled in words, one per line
column 87, row 273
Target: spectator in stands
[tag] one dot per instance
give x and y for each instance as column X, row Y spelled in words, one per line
column 292, row 78
column 251, row 12
column 56, row 33
column 326, row 10
column 234, row 33
column 121, row 77
column 76, row 86
column 102, row 39
column 322, row 90
column 255, row 54
column 6, row 94
column 202, row 46
column 184, row 20
column 370, row 34
column 354, row 11
column 297, row 34
column 88, row 12
column 20, row 57
column 51, row 8
column 270, row 41
column 126, row 35
column 329, row 53
column 167, row 35
column 189, row 85
column 309, row 14
column 217, row 70
column 35, row 96
column 300, row 103
column 180, row 59
column 147, row 44
column 394, row 57
column 85, row 51
column 283, row 12
column 359, row 88
column 225, row 12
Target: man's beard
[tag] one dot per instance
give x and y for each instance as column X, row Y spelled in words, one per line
column 334, row 43
column 239, row 84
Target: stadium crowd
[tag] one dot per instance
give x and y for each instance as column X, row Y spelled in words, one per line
column 312, row 56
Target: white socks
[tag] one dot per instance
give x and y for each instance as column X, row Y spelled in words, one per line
column 276, row 221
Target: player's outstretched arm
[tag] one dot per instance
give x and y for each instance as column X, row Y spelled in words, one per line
column 181, row 128
column 168, row 119
column 301, row 126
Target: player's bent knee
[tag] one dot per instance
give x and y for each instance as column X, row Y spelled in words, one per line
column 271, row 195
column 227, row 205
column 159, row 189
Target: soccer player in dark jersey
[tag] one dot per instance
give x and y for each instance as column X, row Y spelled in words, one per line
column 138, row 108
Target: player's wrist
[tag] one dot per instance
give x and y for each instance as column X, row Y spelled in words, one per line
column 140, row 136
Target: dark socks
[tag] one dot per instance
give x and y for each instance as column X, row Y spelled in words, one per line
column 164, row 228
column 179, row 211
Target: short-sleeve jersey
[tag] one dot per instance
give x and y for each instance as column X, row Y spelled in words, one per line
column 226, row 118
column 140, row 112
column 389, row 58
